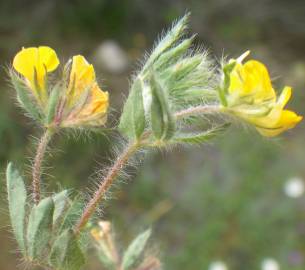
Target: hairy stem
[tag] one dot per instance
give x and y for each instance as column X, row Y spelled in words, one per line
column 38, row 160
column 106, row 183
column 122, row 160
column 202, row 109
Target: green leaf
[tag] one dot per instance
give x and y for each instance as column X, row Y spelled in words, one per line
column 169, row 40
column 39, row 229
column 17, row 203
column 135, row 250
column 171, row 56
column 132, row 122
column 162, row 121
column 184, row 67
column 66, row 253
column 24, row 98
column 72, row 215
column 52, row 103
column 105, row 260
column 203, row 137
column 61, row 202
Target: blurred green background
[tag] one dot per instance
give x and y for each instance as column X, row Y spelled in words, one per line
column 234, row 201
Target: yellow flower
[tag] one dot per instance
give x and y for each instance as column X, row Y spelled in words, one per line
column 86, row 102
column 250, row 96
column 34, row 64
column 75, row 100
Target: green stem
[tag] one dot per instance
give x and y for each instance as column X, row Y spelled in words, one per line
column 201, row 109
column 122, row 160
column 38, row 160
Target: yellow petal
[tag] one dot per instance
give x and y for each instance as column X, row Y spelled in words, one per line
column 98, row 103
column 34, row 63
column 285, row 96
column 251, row 80
column 82, row 81
column 48, row 58
column 288, row 119
column 82, row 75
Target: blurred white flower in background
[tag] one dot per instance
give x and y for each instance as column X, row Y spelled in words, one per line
column 110, row 56
column 270, row 264
column 218, row 265
column 294, row 187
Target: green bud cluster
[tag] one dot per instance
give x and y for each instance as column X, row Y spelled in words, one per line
column 175, row 76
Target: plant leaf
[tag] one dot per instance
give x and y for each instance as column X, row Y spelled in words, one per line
column 132, row 122
column 66, row 253
column 162, row 121
column 39, row 229
column 171, row 56
column 17, row 203
column 169, row 40
column 72, row 214
column 61, row 201
column 135, row 250
column 105, row 260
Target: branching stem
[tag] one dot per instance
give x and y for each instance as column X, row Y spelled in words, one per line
column 38, row 160
column 121, row 162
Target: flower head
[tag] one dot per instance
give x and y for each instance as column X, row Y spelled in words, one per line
column 75, row 100
column 104, row 241
column 34, row 64
column 250, row 96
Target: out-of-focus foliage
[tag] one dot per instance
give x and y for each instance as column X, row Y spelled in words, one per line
column 225, row 202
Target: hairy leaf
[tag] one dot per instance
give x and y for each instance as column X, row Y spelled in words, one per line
column 169, row 40
column 162, row 121
column 72, row 215
column 135, row 250
column 132, row 122
column 39, row 229
column 173, row 54
column 66, row 253
column 61, row 202
column 17, row 203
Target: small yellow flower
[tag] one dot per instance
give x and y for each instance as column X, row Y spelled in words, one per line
column 250, row 96
column 34, row 64
column 103, row 231
column 87, row 104
column 104, row 240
